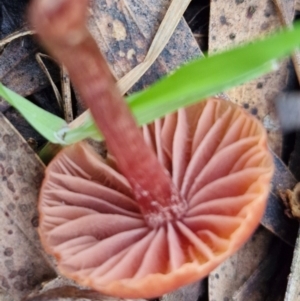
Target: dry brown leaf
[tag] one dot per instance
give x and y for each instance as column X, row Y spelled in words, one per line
column 269, row 280
column 140, row 22
column 19, row 69
column 225, row 280
column 12, row 16
column 258, row 272
column 187, row 293
column 124, row 32
column 23, row 263
column 286, row 10
column 275, row 219
column 236, row 21
column 63, row 289
column 293, row 288
column 162, row 36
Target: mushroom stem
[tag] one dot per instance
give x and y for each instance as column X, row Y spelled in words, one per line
column 61, row 27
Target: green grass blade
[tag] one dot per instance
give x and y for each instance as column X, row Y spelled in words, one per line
column 194, row 81
column 88, row 129
column 49, row 125
column 206, row 77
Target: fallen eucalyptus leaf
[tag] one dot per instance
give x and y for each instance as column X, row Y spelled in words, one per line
column 274, row 219
column 12, row 16
column 187, row 293
column 250, row 273
column 293, row 288
column 62, row 289
column 125, row 34
column 250, row 20
column 227, row 278
column 23, row 263
column 126, row 31
column 19, row 69
column 268, row 282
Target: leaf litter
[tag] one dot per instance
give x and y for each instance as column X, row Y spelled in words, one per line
column 124, row 53
column 23, row 263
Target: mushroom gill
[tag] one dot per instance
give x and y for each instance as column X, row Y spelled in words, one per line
column 218, row 160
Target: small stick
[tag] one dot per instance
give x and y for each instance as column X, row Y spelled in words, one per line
column 161, row 39
column 64, row 101
column 15, row 35
column 39, row 57
column 66, row 94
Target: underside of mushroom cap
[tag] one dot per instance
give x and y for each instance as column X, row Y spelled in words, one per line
column 218, row 159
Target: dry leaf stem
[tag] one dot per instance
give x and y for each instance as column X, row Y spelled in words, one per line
column 15, row 35
column 161, row 39
column 39, row 56
column 66, row 95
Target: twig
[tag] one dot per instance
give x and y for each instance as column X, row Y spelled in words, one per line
column 66, row 95
column 162, row 37
column 15, row 35
column 64, row 101
column 39, row 57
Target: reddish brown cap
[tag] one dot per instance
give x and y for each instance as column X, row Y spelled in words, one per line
column 218, row 158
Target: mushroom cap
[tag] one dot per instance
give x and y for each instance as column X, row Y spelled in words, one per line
column 217, row 156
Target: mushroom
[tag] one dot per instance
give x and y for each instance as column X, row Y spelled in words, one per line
column 171, row 202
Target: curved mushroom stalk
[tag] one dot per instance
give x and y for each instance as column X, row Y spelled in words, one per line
column 61, row 26
column 217, row 157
